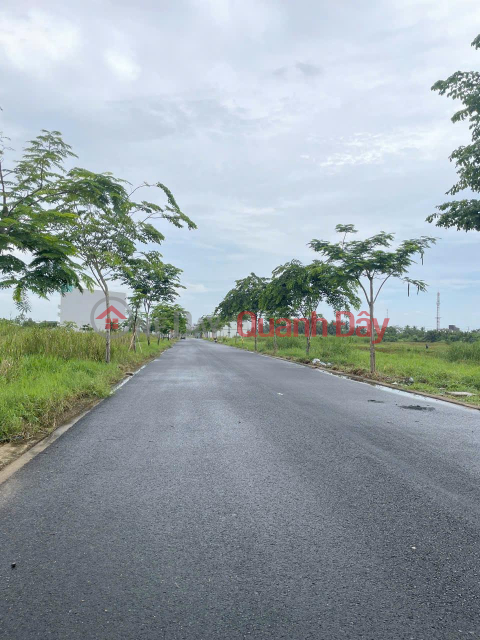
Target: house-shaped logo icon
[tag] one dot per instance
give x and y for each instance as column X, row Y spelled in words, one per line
column 111, row 324
column 111, row 309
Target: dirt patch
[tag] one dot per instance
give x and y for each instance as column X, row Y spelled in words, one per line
column 416, row 407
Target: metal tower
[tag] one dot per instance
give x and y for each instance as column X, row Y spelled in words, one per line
column 438, row 311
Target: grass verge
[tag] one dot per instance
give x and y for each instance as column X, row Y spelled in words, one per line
column 46, row 372
column 440, row 369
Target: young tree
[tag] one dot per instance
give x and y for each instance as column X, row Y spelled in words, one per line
column 165, row 317
column 136, row 316
column 210, row 324
column 245, row 296
column 463, row 214
column 179, row 319
column 369, row 259
column 110, row 225
column 30, row 219
column 275, row 306
column 152, row 282
column 301, row 288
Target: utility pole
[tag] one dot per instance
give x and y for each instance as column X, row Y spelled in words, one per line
column 438, row 311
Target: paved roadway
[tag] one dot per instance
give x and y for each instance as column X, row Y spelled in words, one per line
column 222, row 495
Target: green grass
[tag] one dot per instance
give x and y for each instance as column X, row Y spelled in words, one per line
column 439, row 369
column 46, row 372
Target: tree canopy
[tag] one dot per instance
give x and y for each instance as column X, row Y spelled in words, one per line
column 34, row 256
column 110, row 226
column 247, row 295
column 153, row 282
column 373, row 260
column 463, row 86
column 301, row 288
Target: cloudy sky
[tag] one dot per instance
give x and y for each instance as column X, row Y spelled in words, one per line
column 271, row 121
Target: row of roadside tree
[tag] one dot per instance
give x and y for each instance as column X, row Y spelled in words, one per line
column 66, row 227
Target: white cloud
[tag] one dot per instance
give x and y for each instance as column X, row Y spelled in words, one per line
column 195, row 288
column 37, row 41
column 124, row 67
column 271, row 121
column 367, row 148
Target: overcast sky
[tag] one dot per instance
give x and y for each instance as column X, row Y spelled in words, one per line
column 271, row 122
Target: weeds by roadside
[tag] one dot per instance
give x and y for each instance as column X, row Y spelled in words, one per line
column 44, row 372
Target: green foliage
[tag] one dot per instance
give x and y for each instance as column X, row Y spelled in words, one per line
column 369, row 258
column 247, row 295
column 106, row 233
column 165, row 317
column 110, row 226
column 152, row 281
column 463, row 86
column 373, row 260
column 298, row 290
column 301, row 288
column 31, row 217
column 210, row 324
column 464, row 352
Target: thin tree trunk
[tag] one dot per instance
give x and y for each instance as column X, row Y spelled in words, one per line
column 372, row 330
column 133, row 342
column 96, row 270
column 146, row 307
column 108, row 327
column 256, row 326
column 308, row 326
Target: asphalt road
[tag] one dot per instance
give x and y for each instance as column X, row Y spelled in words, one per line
column 222, row 495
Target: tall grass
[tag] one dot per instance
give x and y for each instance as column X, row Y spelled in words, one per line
column 45, row 371
column 463, row 352
column 16, row 342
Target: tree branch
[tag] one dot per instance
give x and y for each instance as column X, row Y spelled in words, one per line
column 364, row 291
column 380, row 287
column 4, row 193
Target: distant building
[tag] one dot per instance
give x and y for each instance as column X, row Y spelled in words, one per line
column 230, row 330
column 452, row 327
column 89, row 308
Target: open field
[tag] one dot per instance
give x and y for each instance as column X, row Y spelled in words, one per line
column 44, row 373
column 440, row 368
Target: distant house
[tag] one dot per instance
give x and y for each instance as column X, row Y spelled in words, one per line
column 89, row 309
column 230, row 330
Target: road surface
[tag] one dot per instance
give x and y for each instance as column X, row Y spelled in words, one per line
column 222, row 495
